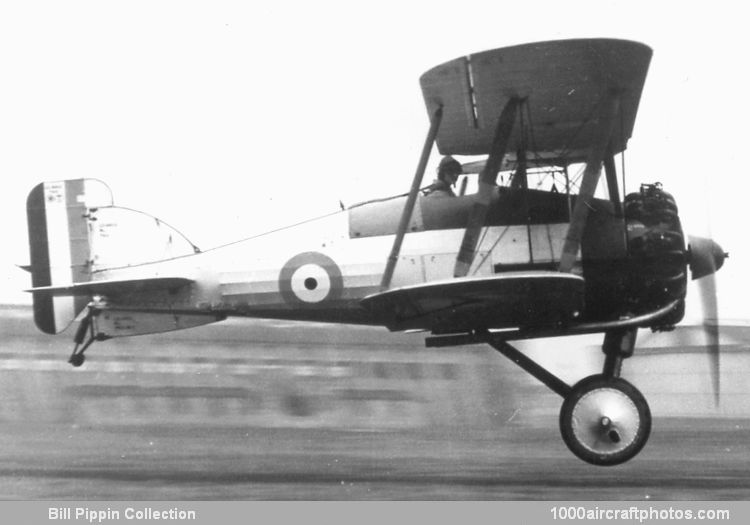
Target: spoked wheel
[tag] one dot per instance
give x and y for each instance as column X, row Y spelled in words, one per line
column 605, row 420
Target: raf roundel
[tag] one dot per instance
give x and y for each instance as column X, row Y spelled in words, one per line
column 310, row 278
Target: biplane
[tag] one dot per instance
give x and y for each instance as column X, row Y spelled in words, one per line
column 544, row 247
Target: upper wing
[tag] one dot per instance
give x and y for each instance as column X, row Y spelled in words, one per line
column 113, row 286
column 510, row 299
column 562, row 81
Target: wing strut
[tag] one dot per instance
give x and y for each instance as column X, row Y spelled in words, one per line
column 411, row 200
column 605, row 125
column 486, row 186
column 614, row 193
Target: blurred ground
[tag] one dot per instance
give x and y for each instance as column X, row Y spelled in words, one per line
column 250, row 409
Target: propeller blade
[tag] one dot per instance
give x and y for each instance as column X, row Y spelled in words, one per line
column 706, row 257
column 709, row 303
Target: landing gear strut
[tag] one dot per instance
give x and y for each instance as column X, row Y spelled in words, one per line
column 604, row 420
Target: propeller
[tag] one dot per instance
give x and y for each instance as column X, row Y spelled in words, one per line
column 705, row 258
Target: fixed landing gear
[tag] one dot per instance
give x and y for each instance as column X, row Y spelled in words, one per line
column 604, row 420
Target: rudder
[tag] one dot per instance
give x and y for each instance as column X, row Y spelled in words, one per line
column 59, row 249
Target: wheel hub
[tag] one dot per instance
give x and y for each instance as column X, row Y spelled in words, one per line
column 605, row 420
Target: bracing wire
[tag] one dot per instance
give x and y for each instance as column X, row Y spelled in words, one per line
column 492, row 248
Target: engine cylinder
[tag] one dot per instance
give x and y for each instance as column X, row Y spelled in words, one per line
column 656, row 253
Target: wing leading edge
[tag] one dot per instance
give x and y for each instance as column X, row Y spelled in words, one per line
column 510, row 299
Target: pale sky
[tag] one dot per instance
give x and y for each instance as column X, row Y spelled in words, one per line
column 229, row 118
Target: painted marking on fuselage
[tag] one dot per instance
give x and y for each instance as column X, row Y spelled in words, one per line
column 310, row 278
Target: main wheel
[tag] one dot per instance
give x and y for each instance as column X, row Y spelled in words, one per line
column 605, row 420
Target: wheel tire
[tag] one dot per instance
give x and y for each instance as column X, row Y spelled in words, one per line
column 605, row 421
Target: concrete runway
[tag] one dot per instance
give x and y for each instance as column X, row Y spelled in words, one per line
column 251, row 409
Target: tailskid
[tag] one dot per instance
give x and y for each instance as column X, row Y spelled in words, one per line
column 86, row 331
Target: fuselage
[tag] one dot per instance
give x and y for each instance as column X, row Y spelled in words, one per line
column 320, row 270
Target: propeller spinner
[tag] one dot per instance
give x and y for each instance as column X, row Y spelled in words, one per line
column 705, row 257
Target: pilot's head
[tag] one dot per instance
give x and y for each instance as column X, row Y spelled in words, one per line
column 449, row 169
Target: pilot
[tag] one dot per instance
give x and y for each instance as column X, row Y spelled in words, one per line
column 448, row 171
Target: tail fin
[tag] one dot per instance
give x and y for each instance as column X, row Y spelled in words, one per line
column 59, row 247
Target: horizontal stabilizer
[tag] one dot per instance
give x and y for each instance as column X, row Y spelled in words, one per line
column 113, row 286
column 509, row 299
